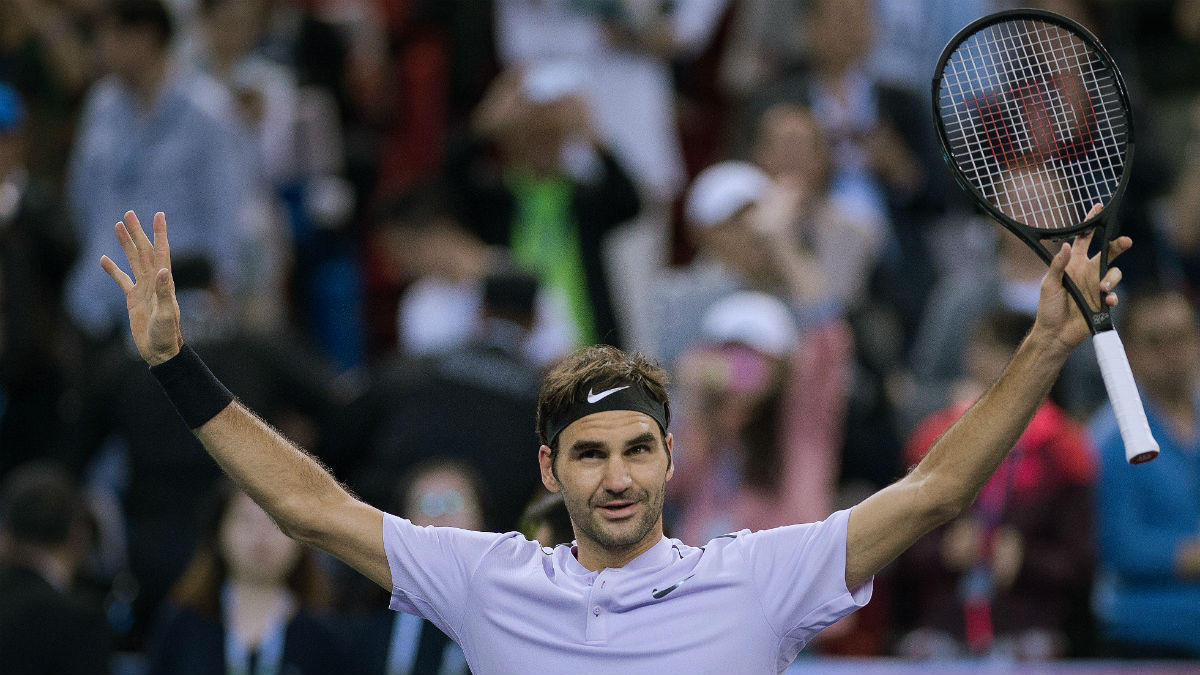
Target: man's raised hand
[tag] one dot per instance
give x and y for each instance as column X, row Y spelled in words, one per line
column 150, row 294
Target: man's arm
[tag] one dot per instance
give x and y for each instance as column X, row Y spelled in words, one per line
column 961, row 461
column 293, row 487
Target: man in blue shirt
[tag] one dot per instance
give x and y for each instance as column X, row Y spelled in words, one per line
column 154, row 134
column 623, row 597
column 1147, row 593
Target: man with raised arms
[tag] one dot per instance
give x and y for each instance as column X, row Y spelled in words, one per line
column 623, row 597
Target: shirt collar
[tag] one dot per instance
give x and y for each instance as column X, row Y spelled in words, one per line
column 655, row 557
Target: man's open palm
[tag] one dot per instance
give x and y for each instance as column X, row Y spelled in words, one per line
column 150, row 294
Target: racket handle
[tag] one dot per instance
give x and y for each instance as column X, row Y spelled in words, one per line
column 1140, row 446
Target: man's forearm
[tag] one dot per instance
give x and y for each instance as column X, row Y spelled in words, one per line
column 287, row 482
column 957, row 466
column 962, row 459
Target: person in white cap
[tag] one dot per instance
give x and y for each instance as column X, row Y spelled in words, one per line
column 761, row 412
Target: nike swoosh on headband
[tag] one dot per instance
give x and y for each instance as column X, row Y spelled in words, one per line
column 593, row 398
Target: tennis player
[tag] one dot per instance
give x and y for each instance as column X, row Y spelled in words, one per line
column 623, row 597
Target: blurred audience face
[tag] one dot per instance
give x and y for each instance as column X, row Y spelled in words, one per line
column 731, row 381
column 735, row 243
column 537, row 140
column 840, row 33
column 127, row 51
column 233, row 26
column 1162, row 340
column 444, row 497
column 253, row 547
column 790, row 143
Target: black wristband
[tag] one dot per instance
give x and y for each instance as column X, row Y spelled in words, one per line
column 196, row 393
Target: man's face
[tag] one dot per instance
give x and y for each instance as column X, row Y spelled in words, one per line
column 612, row 470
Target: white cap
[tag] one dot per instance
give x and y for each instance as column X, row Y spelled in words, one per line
column 723, row 189
column 754, row 319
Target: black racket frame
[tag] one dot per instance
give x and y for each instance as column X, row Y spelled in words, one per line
column 1098, row 320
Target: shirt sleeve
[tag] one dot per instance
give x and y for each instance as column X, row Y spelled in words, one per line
column 432, row 568
column 800, row 574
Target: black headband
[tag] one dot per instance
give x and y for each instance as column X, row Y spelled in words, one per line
column 630, row 396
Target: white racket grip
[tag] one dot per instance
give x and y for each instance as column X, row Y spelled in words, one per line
column 1140, row 446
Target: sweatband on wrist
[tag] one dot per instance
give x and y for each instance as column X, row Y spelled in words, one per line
column 195, row 392
column 630, row 396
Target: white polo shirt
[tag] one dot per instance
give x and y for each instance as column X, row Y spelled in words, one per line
column 743, row 603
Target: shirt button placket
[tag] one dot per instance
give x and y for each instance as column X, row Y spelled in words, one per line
column 596, row 630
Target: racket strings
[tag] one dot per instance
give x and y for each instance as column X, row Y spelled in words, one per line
column 1035, row 121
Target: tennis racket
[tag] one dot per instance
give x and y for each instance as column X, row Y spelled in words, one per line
column 1035, row 123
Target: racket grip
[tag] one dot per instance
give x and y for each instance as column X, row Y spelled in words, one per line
column 1140, row 446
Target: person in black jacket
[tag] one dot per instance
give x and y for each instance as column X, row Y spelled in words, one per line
column 45, row 626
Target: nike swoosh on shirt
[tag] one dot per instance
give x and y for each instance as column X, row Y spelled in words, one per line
column 592, row 398
column 656, row 594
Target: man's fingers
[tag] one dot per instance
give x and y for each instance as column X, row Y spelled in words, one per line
column 1111, row 279
column 162, row 248
column 1082, row 241
column 137, row 233
column 1094, row 211
column 116, row 273
column 164, row 285
column 130, row 248
column 1118, row 246
column 1058, row 264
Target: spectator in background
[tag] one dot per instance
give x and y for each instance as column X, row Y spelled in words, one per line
column 624, row 51
column 883, row 149
column 45, row 624
column 47, row 56
column 200, row 170
column 1006, row 577
column 844, row 235
column 442, row 268
column 38, row 245
column 250, row 600
column 436, row 493
column 761, row 409
column 302, row 215
column 536, row 179
column 627, row 54
column 756, row 233
column 488, row 384
column 1180, row 208
column 1147, row 595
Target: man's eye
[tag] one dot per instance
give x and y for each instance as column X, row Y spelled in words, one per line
column 639, row 450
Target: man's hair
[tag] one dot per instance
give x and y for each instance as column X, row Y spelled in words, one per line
column 599, row 366
column 152, row 14
column 39, row 502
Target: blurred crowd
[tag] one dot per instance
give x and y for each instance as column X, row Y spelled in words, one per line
column 388, row 217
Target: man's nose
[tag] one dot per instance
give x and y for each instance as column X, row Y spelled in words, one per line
column 616, row 475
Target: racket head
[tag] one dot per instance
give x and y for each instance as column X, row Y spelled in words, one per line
column 1034, row 121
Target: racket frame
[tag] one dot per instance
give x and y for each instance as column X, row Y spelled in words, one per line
column 1098, row 320
column 1140, row 445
